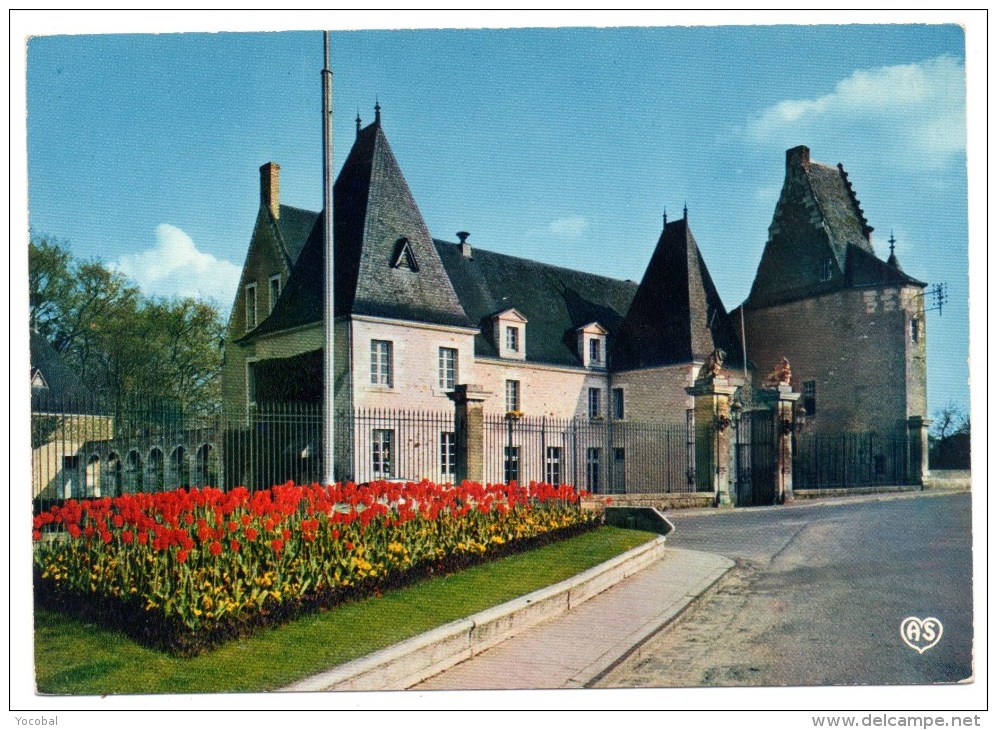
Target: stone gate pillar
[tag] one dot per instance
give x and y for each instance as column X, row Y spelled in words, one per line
column 917, row 436
column 711, row 398
column 782, row 400
column 469, row 427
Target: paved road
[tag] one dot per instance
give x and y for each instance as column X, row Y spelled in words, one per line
column 818, row 597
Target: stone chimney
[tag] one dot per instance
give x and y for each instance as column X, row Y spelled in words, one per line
column 270, row 188
column 465, row 247
column 798, row 157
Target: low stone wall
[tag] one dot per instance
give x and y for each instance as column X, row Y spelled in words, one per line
column 661, row 500
column 949, row 479
column 853, row 491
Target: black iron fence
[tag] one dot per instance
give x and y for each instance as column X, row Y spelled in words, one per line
column 597, row 455
column 823, row 461
column 84, row 451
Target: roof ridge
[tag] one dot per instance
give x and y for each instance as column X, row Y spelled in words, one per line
column 491, row 252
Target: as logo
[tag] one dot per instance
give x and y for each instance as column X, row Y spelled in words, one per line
column 920, row 634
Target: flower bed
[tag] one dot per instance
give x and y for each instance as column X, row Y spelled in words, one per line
column 188, row 569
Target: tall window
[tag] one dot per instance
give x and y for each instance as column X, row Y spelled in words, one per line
column 595, row 351
column 595, row 399
column 512, row 402
column 382, row 451
column 250, row 306
column 618, row 404
column 448, row 453
column 380, row 363
column 915, row 329
column 512, row 339
column 810, row 397
column 448, row 368
column 511, row 463
column 552, row 466
column 274, row 291
column 592, row 458
column 825, row 269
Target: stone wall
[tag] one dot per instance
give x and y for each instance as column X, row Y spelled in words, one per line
column 856, row 345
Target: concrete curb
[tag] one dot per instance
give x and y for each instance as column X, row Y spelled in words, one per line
column 409, row 662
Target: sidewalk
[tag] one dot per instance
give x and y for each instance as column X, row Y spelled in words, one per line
column 576, row 647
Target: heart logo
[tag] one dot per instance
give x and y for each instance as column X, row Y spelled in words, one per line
column 920, row 634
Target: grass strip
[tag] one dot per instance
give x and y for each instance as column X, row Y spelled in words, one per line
column 80, row 659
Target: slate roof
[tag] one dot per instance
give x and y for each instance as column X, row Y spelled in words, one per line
column 677, row 315
column 819, row 238
column 66, row 391
column 846, row 223
column 863, row 268
column 295, row 226
column 555, row 301
column 373, row 210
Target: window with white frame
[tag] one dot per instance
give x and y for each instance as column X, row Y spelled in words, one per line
column 511, row 464
column 448, row 368
column 512, row 339
column 274, row 291
column 381, row 371
column 595, row 351
column 595, row 402
column 552, row 466
column 512, row 402
column 250, row 306
column 382, row 452
column 448, row 453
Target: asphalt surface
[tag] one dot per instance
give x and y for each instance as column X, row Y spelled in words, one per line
column 818, row 596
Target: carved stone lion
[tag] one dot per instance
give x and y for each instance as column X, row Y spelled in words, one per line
column 781, row 375
column 713, row 365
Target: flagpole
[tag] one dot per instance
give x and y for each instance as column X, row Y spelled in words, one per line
column 329, row 314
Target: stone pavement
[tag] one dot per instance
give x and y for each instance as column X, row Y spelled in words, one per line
column 577, row 647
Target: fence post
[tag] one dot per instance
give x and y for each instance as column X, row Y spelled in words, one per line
column 917, row 436
column 469, row 429
column 783, row 401
column 712, row 394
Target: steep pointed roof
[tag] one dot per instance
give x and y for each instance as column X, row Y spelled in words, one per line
column 294, row 227
column 817, row 225
column 677, row 315
column 373, row 211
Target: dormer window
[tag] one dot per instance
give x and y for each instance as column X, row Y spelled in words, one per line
column 509, row 334
column 404, row 257
column 592, row 345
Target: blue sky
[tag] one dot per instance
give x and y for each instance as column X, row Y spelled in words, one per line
column 563, row 145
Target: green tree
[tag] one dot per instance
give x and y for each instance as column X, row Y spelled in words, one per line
column 124, row 345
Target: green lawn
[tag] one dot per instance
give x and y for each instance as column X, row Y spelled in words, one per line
column 76, row 658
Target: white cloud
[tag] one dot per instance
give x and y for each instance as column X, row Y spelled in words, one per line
column 175, row 266
column 915, row 112
column 570, row 228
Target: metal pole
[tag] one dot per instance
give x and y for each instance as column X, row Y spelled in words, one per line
column 329, row 364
